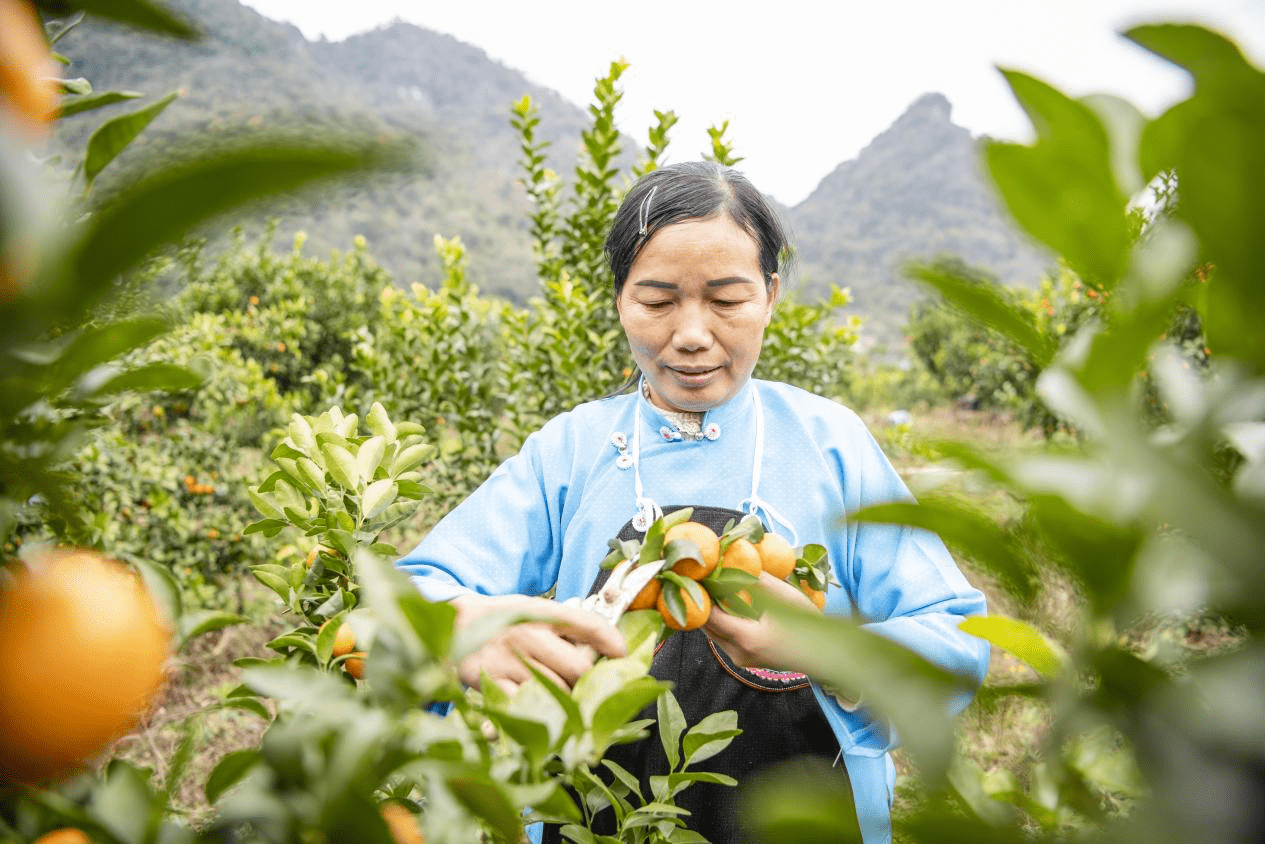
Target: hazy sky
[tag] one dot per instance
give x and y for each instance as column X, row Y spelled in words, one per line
column 805, row 84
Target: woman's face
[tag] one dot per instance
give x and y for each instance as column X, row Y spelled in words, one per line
column 694, row 307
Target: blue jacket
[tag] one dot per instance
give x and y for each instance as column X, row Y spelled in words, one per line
column 544, row 517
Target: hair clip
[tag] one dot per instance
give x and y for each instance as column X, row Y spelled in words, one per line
column 644, row 214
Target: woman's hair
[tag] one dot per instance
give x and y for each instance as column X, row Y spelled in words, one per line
column 692, row 190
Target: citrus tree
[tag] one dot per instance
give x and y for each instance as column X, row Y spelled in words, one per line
column 97, row 636
column 1151, row 526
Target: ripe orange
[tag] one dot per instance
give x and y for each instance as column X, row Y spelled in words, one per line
column 355, row 665
column 25, row 64
column 647, row 597
column 708, row 544
column 402, row 823
column 817, row 596
column 344, row 640
column 741, row 554
column 82, row 654
column 776, row 556
column 65, row 835
column 696, row 615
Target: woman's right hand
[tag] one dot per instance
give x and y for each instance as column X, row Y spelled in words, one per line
column 562, row 647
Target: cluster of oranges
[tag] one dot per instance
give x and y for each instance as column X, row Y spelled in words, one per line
column 695, row 552
column 345, row 646
column 192, row 486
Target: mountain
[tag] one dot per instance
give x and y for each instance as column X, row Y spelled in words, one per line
column 250, row 72
column 916, row 192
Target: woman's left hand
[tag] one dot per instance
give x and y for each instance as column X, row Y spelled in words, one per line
column 756, row 643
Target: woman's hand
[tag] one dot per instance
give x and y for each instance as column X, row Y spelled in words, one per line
column 561, row 648
column 756, row 643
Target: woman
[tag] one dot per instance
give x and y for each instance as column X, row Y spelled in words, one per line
column 695, row 254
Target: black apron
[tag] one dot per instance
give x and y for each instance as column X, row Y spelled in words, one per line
column 777, row 712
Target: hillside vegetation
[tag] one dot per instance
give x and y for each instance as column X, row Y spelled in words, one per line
column 915, row 192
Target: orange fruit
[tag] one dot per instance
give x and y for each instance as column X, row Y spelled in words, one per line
column 355, row 665
column 402, row 823
column 83, row 649
column 344, row 640
column 26, row 68
column 777, row 557
column 741, row 554
column 647, row 597
column 65, row 835
column 708, row 543
column 817, row 596
column 695, row 615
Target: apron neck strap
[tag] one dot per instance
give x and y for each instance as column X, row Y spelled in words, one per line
column 754, row 503
column 648, row 510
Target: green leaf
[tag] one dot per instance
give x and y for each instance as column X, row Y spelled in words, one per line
column 113, row 136
column 679, row 780
column 620, row 707
column 1062, row 189
column 341, row 465
column 621, row 773
column 274, row 582
column 163, row 206
column 162, row 587
column 710, row 736
column 96, row 345
column 1019, row 639
column 651, row 813
column 77, row 105
column 196, row 623
column 398, row 604
column 248, row 704
column 369, row 455
column 967, row 530
column 897, row 684
column 180, row 759
column 986, row 305
column 805, row 800
column 79, row 86
column 531, row 736
column 412, row 457
column 486, row 800
column 641, row 630
column 380, row 423
column 166, row 377
column 378, row 496
column 1213, row 142
column 556, row 806
column 265, row 506
column 299, row 686
column 325, row 637
column 142, row 13
column 606, row 678
column 268, row 527
column 671, row 725
column 229, row 771
column 123, row 804
column 301, row 641
column 573, row 720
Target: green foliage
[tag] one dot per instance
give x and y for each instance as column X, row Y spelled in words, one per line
column 805, row 346
column 1145, row 523
column 492, row 764
column 449, row 343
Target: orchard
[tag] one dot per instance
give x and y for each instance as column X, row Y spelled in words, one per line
column 249, row 451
